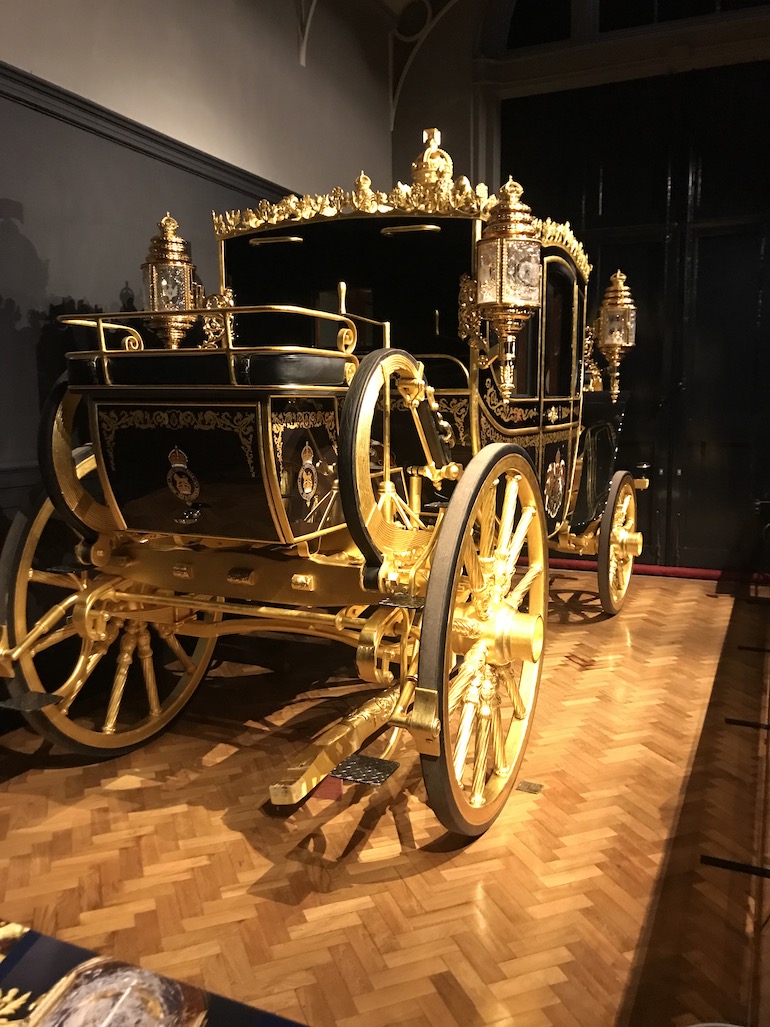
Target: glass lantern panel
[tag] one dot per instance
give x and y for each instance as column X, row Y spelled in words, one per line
column 521, row 282
column 488, row 271
column 172, row 287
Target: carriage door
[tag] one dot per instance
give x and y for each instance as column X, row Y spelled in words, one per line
column 559, row 411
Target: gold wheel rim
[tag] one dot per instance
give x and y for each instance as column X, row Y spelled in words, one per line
column 392, row 525
column 133, row 644
column 621, row 562
column 495, row 638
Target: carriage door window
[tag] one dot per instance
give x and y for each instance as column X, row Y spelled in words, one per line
column 558, row 328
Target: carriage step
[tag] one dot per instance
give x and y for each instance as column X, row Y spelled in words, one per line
column 405, row 602
column 364, row 770
column 30, row 702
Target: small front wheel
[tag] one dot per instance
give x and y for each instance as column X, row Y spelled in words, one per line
column 619, row 543
column 482, row 636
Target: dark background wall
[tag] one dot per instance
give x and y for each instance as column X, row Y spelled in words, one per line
column 666, row 178
column 81, row 192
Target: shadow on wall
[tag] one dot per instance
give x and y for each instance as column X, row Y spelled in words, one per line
column 23, row 280
column 32, row 349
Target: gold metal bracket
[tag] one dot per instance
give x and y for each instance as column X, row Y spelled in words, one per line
column 422, row 721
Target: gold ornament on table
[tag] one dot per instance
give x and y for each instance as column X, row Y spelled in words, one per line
column 169, row 281
column 616, row 327
column 509, row 273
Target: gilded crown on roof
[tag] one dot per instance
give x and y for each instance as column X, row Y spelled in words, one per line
column 434, row 164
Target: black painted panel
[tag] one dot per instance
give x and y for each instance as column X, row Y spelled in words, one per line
column 163, row 459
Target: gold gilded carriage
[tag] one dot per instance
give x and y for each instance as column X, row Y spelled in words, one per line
column 349, row 451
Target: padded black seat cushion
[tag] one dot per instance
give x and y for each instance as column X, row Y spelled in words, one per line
column 266, row 368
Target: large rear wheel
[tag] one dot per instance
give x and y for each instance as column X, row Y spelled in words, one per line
column 482, row 636
column 96, row 696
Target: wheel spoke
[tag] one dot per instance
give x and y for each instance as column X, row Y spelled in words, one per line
column 514, row 692
column 53, row 638
column 124, row 661
column 166, row 632
column 481, row 753
column 64, row 580
column 498, row 742
column 486, row 519
column 465, row 732
column 475, row 572
column 516, row 597
column 520, row 535
column 144, row 646
column 508, row 513
column 472, row 664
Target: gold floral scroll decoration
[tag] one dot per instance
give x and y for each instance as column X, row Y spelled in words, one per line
column 280, row 422
column 112, row 421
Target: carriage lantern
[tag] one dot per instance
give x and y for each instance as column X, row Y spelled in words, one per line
column 616, row 332
column 169, row 283
column 509, row 273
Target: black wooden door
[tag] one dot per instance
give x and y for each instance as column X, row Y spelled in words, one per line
column 667, row 179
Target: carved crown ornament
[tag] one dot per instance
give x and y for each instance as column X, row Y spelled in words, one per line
column 433, row 190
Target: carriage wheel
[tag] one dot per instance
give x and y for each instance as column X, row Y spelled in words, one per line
column 619, row 542
column 372, row 491
column 482, row 635
column 114, row 694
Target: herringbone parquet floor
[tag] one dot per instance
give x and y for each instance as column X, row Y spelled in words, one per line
column 586, row 905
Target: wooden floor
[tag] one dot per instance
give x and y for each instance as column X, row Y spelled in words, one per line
column 586, row 905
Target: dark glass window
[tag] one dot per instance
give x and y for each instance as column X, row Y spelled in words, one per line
column 534, row 22
column 559, row 322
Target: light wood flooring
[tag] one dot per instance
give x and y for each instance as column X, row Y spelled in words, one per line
column 586, row 905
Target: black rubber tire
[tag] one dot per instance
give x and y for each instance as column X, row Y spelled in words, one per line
column 448, row 799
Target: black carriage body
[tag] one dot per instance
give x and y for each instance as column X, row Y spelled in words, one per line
column 223, row 458
column 407, row 271
column 250, row 419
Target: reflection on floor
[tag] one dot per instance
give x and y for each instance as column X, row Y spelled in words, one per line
column 586, row 905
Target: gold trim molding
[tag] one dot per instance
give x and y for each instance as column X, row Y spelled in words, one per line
column 552, row 233
column 433, row 190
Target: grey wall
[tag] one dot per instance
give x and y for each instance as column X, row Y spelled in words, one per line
column 225, row 77
column 78, row 206
column 81, row 187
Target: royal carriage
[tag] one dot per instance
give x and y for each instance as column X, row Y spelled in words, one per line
column 373, row 432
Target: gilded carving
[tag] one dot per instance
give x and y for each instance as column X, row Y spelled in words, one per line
column 215, row 325
column 281, row 421
column 469, row 317
column 112, row 421
column 551, row 233
column 509, row 414
column 432, row 191
column 457, row 409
